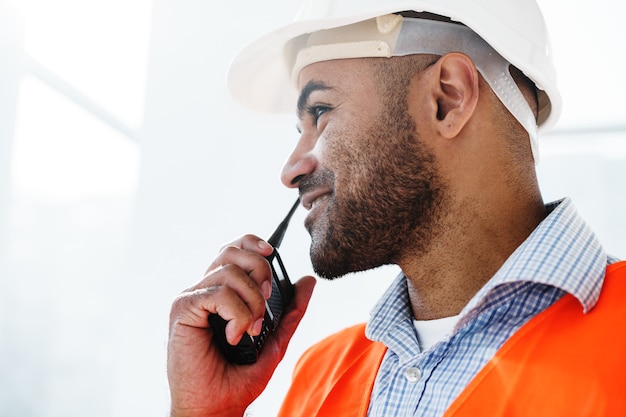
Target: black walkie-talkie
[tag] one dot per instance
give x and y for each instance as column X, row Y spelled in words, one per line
column 249, row 347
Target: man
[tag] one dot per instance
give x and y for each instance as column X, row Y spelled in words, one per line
column 417, row 148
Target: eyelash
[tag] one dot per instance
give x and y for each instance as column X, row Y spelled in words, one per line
column 316, row 111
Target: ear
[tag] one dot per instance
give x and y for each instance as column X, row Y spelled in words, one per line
column 457, row 93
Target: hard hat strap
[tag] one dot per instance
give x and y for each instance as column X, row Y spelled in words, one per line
column 440, row 38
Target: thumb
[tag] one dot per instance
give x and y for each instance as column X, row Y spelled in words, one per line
column 290, row 320
column 302, row 295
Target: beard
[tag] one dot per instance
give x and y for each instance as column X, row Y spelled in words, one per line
column 390, row 207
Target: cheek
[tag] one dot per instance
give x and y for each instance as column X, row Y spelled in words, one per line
column 421, row 108
column 350, row 146
column 350, row 154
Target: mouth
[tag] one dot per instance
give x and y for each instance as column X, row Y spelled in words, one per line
column 315, row 198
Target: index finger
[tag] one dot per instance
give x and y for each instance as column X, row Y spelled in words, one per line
column 251, row 243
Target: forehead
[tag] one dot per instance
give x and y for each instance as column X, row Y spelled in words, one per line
column 338, row 74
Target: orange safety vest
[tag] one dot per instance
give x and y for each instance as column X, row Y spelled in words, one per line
column 561, row 363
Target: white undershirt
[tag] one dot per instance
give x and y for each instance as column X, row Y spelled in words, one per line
column 430, row 332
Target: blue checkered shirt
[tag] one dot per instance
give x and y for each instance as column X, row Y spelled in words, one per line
column 562, row 255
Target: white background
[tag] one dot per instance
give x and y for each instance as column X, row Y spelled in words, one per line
column 124, row 166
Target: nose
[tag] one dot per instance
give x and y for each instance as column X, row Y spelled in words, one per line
column 300, row 163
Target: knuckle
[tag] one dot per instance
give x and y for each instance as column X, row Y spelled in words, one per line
column 249, row 238
column 229, row 250
column 250, row 284
column 228, row 269
column 231, row 273
column 181, row 300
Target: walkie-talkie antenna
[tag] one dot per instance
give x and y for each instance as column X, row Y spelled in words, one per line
column 277, row 236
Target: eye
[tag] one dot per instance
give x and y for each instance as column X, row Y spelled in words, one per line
column 316, row 111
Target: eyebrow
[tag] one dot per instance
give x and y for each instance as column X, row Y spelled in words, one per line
column 307, row 91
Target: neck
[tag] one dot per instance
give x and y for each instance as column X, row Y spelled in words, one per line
column 472, row 244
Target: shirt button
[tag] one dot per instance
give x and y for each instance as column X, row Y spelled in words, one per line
column 413, row 374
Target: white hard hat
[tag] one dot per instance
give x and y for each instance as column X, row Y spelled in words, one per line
column 261, row 76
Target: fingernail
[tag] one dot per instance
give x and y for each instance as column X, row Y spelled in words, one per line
column 264, row 245
column 266, row 289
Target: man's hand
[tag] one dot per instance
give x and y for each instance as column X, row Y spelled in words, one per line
column 236, row 285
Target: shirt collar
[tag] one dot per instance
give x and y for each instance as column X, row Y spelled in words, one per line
column 562, row 252
column 393, row 309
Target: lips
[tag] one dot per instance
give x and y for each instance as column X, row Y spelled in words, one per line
column 316, row 188
column 312, row 199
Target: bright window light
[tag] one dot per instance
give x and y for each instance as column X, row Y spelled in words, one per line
column 99, row 47
column 62, row 152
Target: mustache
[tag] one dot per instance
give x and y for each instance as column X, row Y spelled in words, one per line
column 319, row 179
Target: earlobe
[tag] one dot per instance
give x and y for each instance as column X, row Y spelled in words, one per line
column 457, row 95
